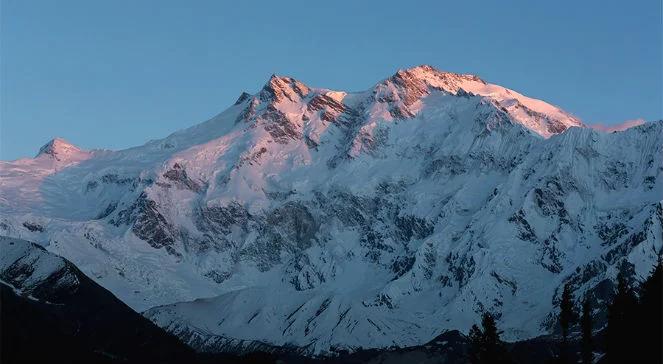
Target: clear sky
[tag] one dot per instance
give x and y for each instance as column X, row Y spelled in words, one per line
column 114, row 74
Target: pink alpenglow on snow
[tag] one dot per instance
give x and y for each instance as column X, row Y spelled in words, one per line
column 618, row 127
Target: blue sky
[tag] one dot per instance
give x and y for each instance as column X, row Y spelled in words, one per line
column 114, row 74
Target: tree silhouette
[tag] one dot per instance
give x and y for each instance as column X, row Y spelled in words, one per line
column 650, row 319
column 621, row 330
column 566, row 315
column 586, row 328
column 566, row 319
column 476, row 344
column 486, row 347
column 634, row 327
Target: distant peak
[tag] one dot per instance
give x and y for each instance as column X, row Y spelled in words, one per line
column 59, row 149
column 279, row 88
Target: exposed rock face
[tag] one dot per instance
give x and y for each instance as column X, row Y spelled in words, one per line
column 279, row 126
column 280, row 88
column 178, row 176
column 148, row 224
column 242, row 98
column 331, row 221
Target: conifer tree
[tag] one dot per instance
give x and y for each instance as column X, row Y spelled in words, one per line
column 566, row 315
column 650, row 320
column 586, row 328
column 486, row 347
column 620, row 333
column 566, row 318
column 475, row 337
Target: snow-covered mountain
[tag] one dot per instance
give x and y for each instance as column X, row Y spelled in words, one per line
column 330, row 220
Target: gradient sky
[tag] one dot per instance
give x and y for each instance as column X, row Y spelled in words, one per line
column 114, row 74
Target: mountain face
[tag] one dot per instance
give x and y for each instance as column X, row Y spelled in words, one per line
column 51, row 312
column 328, row 221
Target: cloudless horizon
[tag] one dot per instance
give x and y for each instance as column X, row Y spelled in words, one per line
column 114, row 75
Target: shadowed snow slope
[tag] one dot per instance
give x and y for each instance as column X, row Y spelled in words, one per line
column 330, row 220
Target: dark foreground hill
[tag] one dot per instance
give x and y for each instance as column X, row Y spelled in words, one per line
column 53, row 313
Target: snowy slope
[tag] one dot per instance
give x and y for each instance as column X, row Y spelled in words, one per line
column 21, row 180
column 332, row 220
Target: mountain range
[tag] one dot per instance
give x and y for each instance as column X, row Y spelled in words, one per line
column 328, row 221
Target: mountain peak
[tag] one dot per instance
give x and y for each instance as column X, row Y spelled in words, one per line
column 59, row 149
column 279, row 88
column 432, row 77
column 243, row 97
column 421, row 71
column 417, row 81
column 538, row 116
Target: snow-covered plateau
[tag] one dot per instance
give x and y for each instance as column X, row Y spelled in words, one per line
column 328, row 220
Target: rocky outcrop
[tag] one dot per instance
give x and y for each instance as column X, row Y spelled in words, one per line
column 177, row 175
column 147, row 223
